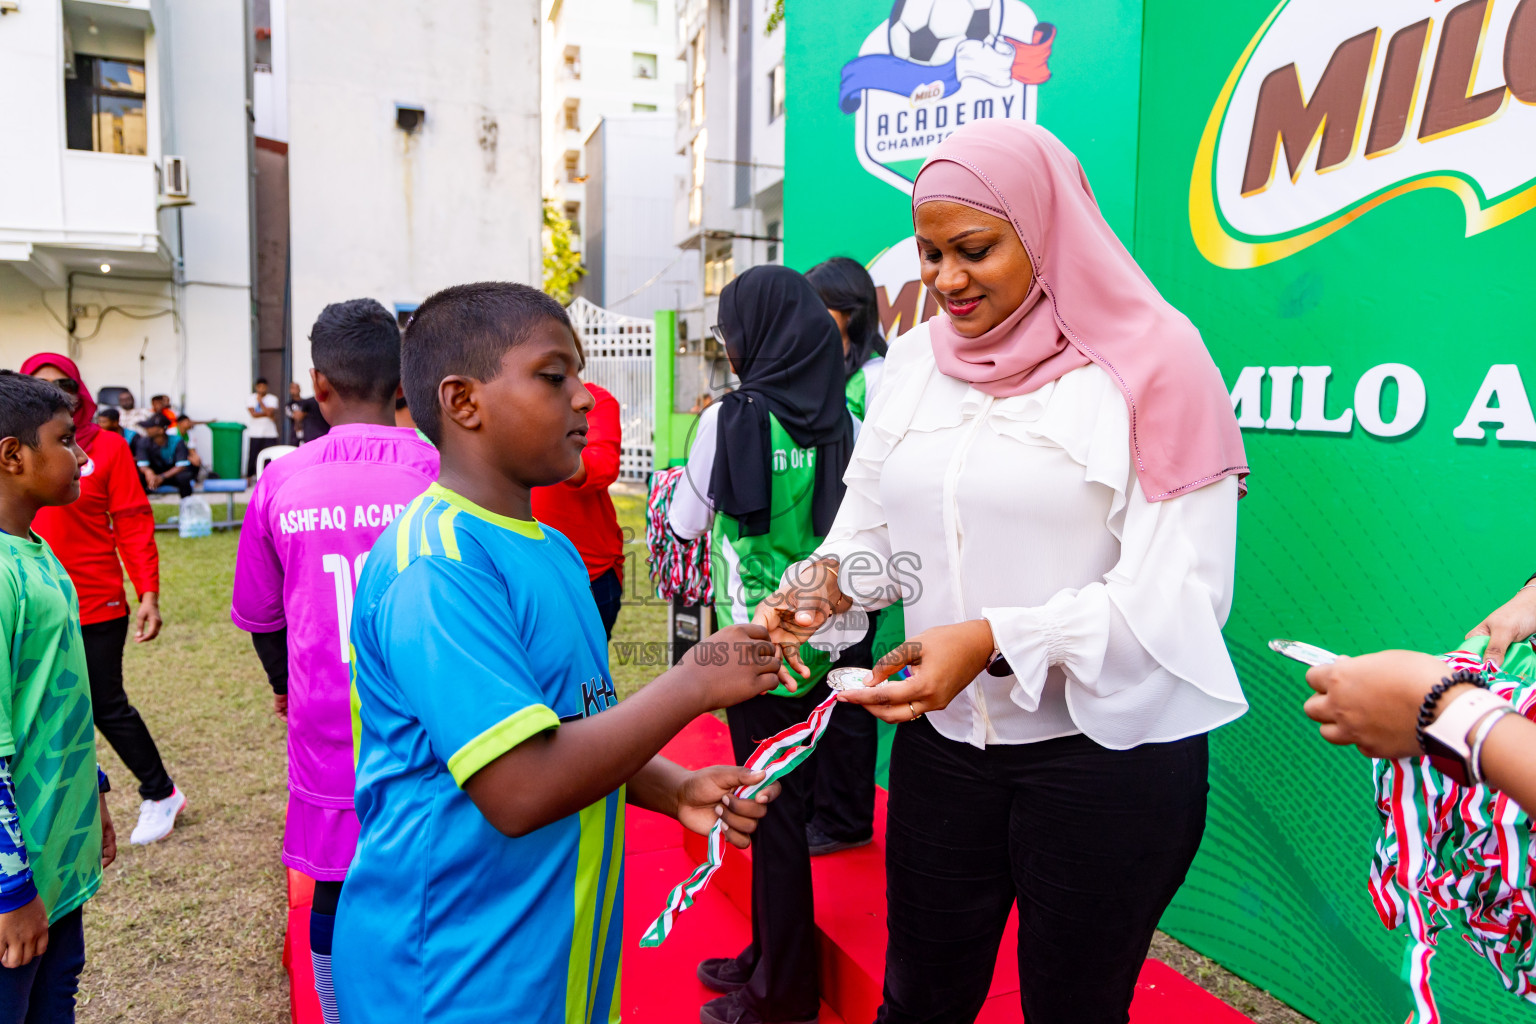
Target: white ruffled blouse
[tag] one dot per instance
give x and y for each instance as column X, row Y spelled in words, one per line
column 1026, row 511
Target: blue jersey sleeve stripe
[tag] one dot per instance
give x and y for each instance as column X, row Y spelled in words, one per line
column 498, row 739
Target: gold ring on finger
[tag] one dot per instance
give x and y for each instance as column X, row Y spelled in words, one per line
column 916, row 714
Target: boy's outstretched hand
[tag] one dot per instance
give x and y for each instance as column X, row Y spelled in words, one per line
column 707, row 796
column 23, row 934
column 735, row 664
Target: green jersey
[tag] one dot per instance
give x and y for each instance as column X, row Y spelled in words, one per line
column 45, row 724
column 748, row 569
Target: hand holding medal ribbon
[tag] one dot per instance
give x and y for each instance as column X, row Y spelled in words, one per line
column 776, row 756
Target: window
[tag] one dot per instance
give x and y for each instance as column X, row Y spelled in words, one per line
column 573, row 115
column 697, row 47
column 696, row 186
column 645, row 12
column 573, row 214
column 572, row 165
column 773, row 247
column 644, row 65
column 403, row 313
column 104, row 106
column 643, row 108
column 719, row 268
column 572, row 66
column 776, row 93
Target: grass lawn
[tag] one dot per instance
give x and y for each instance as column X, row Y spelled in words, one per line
column 190, row 929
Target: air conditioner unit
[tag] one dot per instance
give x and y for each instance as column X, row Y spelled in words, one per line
column 174, row 178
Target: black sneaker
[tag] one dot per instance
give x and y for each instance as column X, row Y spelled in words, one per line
column 736, row 1008
column 723, row 974
column 821, row 843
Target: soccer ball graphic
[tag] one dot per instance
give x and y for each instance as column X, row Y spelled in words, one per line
column 927, row 31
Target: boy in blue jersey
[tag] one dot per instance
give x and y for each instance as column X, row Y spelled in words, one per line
column 493, row 759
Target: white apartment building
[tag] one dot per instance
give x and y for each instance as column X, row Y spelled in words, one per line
column 407, row 138
column 730, row 127
column 633, row 174
column 601, row 58
column 125, row 194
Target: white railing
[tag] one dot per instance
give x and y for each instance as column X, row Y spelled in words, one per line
column 620, row 354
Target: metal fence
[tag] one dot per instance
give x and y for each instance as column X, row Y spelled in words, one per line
column 620, row 354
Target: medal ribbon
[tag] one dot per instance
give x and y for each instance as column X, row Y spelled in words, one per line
column 778, row 756
column 1462, row 850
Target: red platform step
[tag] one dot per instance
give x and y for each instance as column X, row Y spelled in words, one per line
column 850, row 916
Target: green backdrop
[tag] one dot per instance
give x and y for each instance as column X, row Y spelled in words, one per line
column 1347, row 539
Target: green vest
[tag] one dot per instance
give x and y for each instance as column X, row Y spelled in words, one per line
column 857, row 393
column 747, row 569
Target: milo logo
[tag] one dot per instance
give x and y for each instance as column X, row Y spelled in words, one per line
column 1335, row 108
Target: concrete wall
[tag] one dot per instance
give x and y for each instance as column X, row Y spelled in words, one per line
column 194, row 337
column 375, row 211
column 631, row 196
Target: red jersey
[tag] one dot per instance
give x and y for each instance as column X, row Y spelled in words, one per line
column 110, row 519
column 584, row 512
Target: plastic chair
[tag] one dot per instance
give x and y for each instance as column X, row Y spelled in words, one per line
column 110, row 396
column 269, row 453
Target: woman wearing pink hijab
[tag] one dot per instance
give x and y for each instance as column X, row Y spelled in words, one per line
column 1049, row 477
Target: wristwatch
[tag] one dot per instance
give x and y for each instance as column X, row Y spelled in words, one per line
column 1459, row 730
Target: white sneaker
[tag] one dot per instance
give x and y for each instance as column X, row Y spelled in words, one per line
column 157, row 818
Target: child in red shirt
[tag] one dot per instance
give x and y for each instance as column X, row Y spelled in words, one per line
column 581, row 509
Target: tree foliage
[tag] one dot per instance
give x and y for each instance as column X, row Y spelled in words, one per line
column 775, row 18
column 562, row 263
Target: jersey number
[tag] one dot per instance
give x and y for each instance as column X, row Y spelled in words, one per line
column 346, row 576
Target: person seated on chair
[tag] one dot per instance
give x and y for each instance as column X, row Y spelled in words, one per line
column 184, row 427
column 163, row 460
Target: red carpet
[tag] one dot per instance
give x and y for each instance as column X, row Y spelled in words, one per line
column 850, row 914
column 659, row 986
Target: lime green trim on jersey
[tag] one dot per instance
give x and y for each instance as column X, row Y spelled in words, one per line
column 526, row 527
column 589, row 868
column 357, row 707
column 445, row 532
column 614, row 1017
column 498, row 739
column 595, row 898
column 403, row 536
column 615, row 872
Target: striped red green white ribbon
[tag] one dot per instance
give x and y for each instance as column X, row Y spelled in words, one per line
column 778, row 756
column 1452, row 850
column 678, row 568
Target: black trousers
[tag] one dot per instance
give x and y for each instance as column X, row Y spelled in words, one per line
column 117, row 719
column 843, row 793
column 783, row 957
column 1092, row 844
column 608, row 592
column 182, row 479
column 255, row 446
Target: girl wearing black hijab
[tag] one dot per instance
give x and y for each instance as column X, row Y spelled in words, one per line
column 848, row 292
column 765, row 475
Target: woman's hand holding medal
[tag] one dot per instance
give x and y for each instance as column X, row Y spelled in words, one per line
column 943, row 661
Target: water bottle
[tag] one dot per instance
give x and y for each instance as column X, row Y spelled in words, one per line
column 195, row 518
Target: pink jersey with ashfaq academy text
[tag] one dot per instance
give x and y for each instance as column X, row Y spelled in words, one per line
column 311, row 522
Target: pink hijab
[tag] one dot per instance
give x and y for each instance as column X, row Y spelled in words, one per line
column 1090, row 303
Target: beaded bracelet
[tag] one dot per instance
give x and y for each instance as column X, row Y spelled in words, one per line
column 1432, row 698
